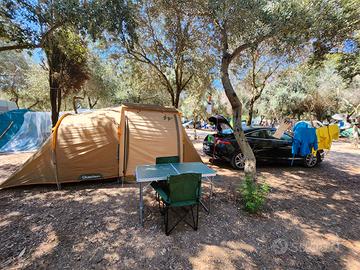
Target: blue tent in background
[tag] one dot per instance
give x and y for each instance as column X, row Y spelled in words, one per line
column 23, row 130
column 10, row 123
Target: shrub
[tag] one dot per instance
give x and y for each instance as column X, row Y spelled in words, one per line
column 254, row 194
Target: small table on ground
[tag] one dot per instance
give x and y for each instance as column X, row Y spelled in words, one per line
column 145, row 174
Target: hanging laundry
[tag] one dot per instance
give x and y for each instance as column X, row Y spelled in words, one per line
column 304, row 141
column 326, row 135
column 334, row 132
column 301, row 124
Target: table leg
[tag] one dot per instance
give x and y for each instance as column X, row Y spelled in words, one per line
column 211, row 192
column 141, row 205
column 207, row 209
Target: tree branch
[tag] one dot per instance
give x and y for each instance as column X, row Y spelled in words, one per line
column 19, row 47
column 245, row 46
column 29, row 45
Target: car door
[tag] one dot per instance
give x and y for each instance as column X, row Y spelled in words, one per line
column 260, row 143
column 281, row 148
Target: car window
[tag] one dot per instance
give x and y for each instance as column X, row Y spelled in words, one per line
column 225, row 128
column 258, row 134
column 284, row 137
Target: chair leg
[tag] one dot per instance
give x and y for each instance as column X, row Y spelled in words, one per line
column 159, row 203
column 192, row 215
column 197, row 217
column 166, row 218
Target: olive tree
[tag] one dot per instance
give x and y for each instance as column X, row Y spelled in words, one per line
column 242, row 24
column 27, row 24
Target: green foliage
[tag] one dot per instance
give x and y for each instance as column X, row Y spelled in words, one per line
column 253, row 194
column 170, row 41
column 304, row 91
column 27, row 23
column 23, row 81
column 13, row 66
column 139, row 83
column 34, row 93
column 348, row 63
column 67, row 56
column 103, row 84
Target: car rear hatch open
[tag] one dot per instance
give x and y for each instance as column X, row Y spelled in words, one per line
column 222, row 125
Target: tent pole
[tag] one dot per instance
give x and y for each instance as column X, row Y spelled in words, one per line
column 178, row 137
column 56, row 171
column 126, row 146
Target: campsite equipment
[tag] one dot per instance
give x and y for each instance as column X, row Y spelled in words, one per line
column 107, row 143
column 27, row 130
column 162, row 160
column 10, row 123
column 146, row 174
column 183, row 191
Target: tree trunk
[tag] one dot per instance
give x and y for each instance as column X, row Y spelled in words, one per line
column 16, row 100
column 261, row 119
column 54, row 63
column 195, row 120
column 177, row 98
column 250, row 161
column 33, row 105
column 74, row 103
column 54, row 88
column 59, row 100
column 92, row 105
column 250, row 115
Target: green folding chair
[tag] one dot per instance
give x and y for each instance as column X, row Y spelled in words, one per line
column 183, row 192
column 162, row 160
column 172, row 159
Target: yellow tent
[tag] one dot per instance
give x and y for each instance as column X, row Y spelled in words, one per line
column 106, row 143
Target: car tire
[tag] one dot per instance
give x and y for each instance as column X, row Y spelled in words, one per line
column 320, row 156
column 238, row 161
column 310, row 161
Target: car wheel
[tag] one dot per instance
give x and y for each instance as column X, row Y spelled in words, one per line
column 238, row 161
column 310, row 161
column 320, row 156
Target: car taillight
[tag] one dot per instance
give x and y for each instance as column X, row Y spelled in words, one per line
column 219, row 141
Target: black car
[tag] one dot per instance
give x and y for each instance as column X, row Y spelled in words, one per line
column 266, row 148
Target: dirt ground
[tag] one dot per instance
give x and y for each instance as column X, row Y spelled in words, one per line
column 311, row 221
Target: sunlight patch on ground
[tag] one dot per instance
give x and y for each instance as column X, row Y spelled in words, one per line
column 47, row 245
column 352, row 262
column 342, row 195
column 315, row 241
column 230, row 255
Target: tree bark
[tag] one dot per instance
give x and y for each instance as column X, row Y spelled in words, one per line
column 53, row 56
column 177, row 98
column 251, row 111
column 92, row 105
column 33, row 105
column 54, row 87
column 74, row 103
column 250, row 161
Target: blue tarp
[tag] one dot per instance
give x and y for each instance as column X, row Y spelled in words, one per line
column 14, row 118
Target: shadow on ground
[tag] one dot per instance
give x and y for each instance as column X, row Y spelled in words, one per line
column 311, row 221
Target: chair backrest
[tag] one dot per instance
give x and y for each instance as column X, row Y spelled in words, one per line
column 184, row 187
column 172, row 159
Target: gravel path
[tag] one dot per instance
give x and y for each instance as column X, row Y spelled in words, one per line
column 311, row 221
